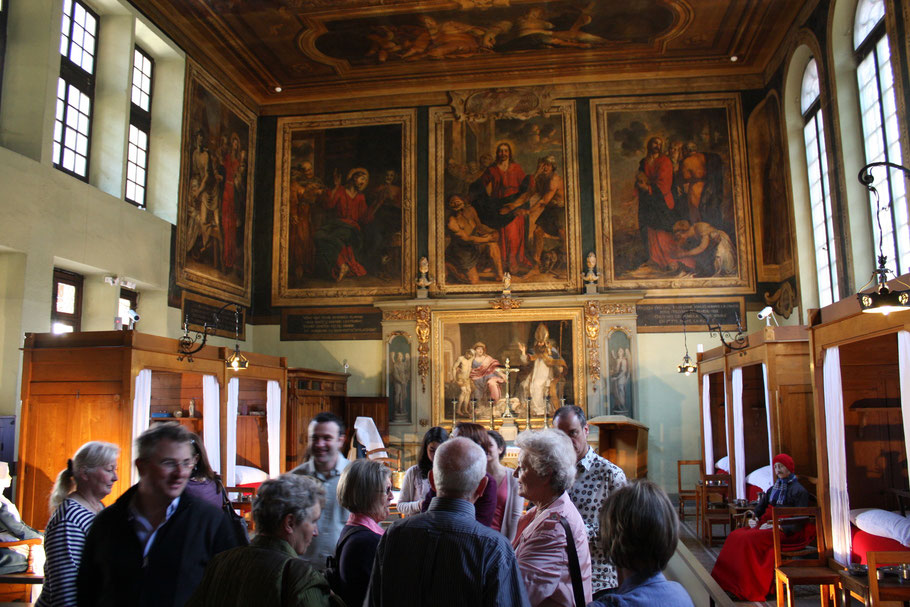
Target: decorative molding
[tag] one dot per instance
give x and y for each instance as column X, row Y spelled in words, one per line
column 423, row 345
column 395, row 334
column 480, row 105
column 506, row 302
column 592, row 330
column 399, row 315
column 612, row 309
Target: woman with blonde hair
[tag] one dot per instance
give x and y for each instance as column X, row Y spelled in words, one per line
column 75, row 500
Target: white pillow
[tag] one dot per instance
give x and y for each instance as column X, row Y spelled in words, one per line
column 882, row 523
column 244, row 475
column 762, row 478
column 723, row 463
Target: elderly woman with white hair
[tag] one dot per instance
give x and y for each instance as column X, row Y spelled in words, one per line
column 546, row 469
column 268, row 572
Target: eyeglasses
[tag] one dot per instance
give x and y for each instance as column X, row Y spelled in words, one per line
column 171, row 464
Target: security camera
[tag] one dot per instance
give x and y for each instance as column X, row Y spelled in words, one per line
column 765, row 312
column 134, row 317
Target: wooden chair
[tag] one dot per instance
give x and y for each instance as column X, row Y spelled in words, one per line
column 242, row 500
column 687, row 495
column 18, row 586
column 891, row 592
column 802, row 564
column 716, row 493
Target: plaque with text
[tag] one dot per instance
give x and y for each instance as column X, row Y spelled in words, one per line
column 665, row 315
column 199, row 311
column 304, row 324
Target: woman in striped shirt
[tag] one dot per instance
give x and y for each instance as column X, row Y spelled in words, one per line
column 74, row 502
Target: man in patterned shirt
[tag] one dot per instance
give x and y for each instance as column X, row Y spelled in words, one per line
column 595, row 479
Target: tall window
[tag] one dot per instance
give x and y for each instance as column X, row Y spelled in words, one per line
column 881, row 133
column 819, row 191
column 129, row 300
column 75, row 88
column 66, row 313
column 140, row 126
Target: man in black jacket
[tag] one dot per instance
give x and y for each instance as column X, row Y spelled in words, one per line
column 152, row 545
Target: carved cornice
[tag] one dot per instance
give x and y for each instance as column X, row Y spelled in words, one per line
column 399, row 314
column 480, row 105
column 506, row 302
column 613, row 309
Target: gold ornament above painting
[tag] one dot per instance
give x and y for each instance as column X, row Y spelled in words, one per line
column 504, row 194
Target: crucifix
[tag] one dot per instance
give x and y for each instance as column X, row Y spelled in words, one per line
column 508, row 411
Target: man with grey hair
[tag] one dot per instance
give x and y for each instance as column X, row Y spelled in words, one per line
column 152, row 545
column 443, row 556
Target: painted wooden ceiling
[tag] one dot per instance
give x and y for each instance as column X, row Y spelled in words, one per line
column 325, row 51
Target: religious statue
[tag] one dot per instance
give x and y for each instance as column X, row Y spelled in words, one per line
column 423, row 279
column 591, row 275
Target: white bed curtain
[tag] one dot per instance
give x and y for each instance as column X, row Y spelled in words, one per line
column 273, row 425
column 903, row 366
column 708, row 430
column 764, row 374
column 837, row 465
column 230, row 432
column 739, row 451
column 727, row 436
column 211, row 420
column 142, row 401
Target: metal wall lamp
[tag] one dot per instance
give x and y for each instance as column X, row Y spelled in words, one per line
column 737, row 342
column 187, row 345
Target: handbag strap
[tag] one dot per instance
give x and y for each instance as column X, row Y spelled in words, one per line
column 574, row 567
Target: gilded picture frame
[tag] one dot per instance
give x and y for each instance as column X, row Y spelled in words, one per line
column 523, row 220
column 215, row 202
column 561, row 344
column 345, row 213
column 670, row 179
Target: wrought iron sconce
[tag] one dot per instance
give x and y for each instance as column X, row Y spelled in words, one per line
column 737, row 342
column 187, row 345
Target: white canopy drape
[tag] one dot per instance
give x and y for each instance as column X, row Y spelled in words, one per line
column 764, row 374
column 230, row 432
column 142, row 403
column 837, row 464
column 273, row 426
column 903, row 366
column 707, row 429
column 211, row 420
column 739, row 450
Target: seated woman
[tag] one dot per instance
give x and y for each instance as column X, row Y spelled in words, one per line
column 203, row 482
column 74, row 502
column 15, row 559
column 365, row 490
column 546, row 469
column 415, row 486
column 268, row 572
column 485, row 506
column 639, row 532
column 509, row 505
column 745, row 565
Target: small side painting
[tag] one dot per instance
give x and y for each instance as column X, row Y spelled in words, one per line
column 399, row 379
column 504, row 200
column 619, row 352
column 215, row 211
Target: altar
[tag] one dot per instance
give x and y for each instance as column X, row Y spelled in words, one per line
column 507, row 363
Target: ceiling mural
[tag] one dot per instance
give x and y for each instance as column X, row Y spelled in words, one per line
column 281, row 52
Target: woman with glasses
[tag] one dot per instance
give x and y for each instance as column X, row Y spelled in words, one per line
column 204, row 483
column 365, row 490
column 74, row 502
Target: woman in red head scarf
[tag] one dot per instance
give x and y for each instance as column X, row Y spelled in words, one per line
column 745, row 565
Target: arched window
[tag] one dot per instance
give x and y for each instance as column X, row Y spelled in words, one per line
column 819, row 191
column 881, row 132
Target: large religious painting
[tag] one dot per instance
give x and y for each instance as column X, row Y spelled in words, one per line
column 344, row 207
column 215, row 210
column 484, row 364
column 504, row 200
column 770, row 193
column 670, row 177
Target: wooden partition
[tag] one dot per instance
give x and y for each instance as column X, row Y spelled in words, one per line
column 785, row 353
column 310, row 392
column 79, row 387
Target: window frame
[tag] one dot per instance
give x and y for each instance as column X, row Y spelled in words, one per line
column 74, row 75
column 77, row 281
column 141, row 119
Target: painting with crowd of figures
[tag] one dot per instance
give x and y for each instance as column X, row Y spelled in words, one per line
column 344, row 211
column 504, row 200
column 215, row 212
column 669, row 177
column 535, row 359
